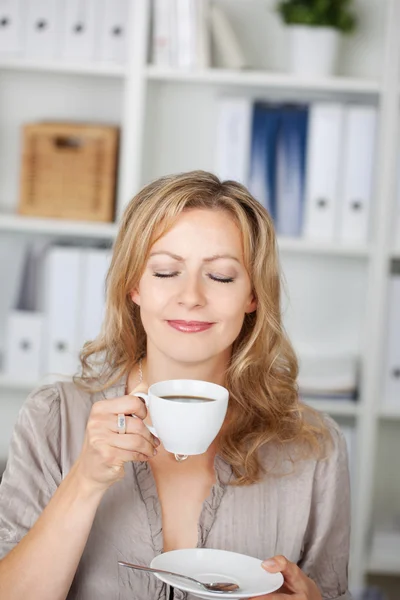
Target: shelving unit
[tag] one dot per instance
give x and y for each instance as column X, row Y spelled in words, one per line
column 337, row 293
column 261, row 79
column 56, row 66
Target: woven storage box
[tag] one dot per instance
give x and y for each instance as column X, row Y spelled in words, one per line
column 69, row 171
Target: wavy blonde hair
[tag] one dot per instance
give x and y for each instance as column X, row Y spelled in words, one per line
column 261, row 378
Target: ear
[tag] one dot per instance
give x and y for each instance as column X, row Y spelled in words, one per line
column 135, row 297
column 252, row 304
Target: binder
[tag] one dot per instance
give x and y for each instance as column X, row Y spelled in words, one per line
column 43, row 27
column 391, row 392
column 163, row 34
column 234, row 124
column 95, row 264
column 79, row 30
column 291, row 163
column 323, row 171
column 113, row 30
column 263, row 155
column 24, row 345
column 11, row 30
column 358, row 169
column 63, row 305
column 186, row 33
column 203, row 39
column 225, row 41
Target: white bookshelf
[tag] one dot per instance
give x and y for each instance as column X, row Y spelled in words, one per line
column 62, row 227
column 390, row 413
column 58, row 66
column 262, row 79
column 337, row 292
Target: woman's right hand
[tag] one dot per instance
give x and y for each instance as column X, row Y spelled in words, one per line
column 105, row 451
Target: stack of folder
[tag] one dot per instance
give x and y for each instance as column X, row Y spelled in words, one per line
column 329, row 377
column 311, row 166
column 45, row 337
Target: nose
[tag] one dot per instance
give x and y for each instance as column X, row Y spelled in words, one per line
column 191, row 294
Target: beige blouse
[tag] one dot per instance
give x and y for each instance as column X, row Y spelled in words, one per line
column 303, row 515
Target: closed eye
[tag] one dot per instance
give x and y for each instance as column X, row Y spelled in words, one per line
column 165, row 275
column 212, row 277
column 220, row 279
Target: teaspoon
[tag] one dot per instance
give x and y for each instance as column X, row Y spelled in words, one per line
column 218, row 587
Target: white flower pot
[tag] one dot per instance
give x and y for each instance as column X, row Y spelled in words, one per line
column 313, row 50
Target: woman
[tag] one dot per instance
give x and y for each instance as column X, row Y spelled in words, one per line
column 193, row 291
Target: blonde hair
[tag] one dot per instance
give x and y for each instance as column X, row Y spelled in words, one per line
column 264, row 403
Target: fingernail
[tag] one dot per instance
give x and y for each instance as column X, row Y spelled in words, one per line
column 157, row 441
column 269, row 563
column 154, row 452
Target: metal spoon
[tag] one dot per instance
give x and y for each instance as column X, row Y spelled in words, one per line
column 218, row 587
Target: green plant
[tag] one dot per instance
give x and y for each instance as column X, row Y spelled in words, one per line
column 328, row 13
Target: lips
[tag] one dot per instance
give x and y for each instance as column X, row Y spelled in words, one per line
column 190, row 326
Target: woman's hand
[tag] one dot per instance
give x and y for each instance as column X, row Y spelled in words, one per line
column 105, row 451
column 297, row 586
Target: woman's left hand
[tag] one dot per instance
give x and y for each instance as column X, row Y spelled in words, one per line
column 297, row 586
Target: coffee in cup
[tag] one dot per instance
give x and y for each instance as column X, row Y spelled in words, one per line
column 187, row 414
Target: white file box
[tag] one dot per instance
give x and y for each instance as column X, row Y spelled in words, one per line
column 63, row 299
column 358, row 169
column 11, row 27
column 79, row 30
column 323, row 171
column 42, row 28
column 24, row 345
column 113, row 30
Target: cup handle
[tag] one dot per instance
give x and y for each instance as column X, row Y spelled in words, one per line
column 144, row 397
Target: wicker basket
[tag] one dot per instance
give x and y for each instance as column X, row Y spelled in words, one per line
column 69, row 171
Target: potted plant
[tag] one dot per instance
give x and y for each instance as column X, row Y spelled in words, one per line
column 315, row 27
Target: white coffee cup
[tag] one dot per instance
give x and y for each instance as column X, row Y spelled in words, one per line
column 184, row 423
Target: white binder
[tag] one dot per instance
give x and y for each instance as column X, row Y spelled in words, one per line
column 186, row 33
column 24, row 345
column 225, row 41
column 43, row 25
column 391, row 393
column 203, row 38
column 163, row 32
column 234, row 124
column 323, row 165
column 113, row 30
column 79, row 30
column 358, row 170
column 96, row 262
column 63, row 305
column 11, row 31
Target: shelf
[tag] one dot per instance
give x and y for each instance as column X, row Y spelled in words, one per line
column 67, row 228
column 12, row 383
column 58, row 66
column 339, row 408
column 313, row 247
column 264, row 79
column 36, row 225
column 384, row 566
column 389, row 413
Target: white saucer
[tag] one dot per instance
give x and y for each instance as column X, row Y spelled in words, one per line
column 209, row 566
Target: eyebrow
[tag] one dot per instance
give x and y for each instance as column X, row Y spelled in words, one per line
column 206, row 260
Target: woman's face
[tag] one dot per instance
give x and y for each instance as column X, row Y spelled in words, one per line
column 195, row 290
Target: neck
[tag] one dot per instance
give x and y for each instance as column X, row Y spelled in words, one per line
column 158, row 367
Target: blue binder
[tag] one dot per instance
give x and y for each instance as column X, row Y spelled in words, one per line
column 291, row 169
column 262, row 169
